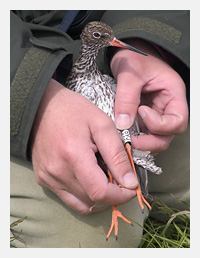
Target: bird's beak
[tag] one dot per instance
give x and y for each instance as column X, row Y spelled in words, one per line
column 117, row 43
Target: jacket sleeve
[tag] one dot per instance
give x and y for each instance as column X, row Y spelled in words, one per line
column 33, row 63
column 169, row 30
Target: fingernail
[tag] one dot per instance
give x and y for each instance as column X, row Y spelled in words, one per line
column 97, row 207
column 123, row 121
column 130, row 180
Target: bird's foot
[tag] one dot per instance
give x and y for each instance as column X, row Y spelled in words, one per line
column 141, row 199
column 115, row 214
column 140, row 196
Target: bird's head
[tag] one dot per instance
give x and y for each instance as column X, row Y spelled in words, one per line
column 98, row 35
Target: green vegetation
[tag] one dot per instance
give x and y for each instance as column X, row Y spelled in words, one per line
column 174, row 233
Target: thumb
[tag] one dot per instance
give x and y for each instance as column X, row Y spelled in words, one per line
column 111, row 148
column 127, row 100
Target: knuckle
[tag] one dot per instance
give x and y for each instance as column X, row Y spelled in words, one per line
column 39, row 181
column 119, row 157
column 40, row 177
column 98, row 195
column 53, row 169
column 69, row 151
column 127, row 101
column 102, row 126
column 105, row 123
column 182, row 127
column 164, row 145
column 84, row 211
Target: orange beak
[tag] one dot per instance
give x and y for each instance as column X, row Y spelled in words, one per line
column 117, row 43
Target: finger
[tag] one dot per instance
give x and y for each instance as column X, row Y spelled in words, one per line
column 74, row 202
column 72, row 186
column 56, row 186
column 154, row 143
column 127, row 99
column 169, row 123
column 63, row 180
column 96, row 185
column 98, row 207
column 113, row 153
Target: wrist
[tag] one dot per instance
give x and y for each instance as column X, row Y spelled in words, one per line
column 51, row 90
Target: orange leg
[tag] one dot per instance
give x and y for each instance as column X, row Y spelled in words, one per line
column 115, row 214
column 138, row 189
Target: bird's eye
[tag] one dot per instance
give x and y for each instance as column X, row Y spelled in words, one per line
column 96, row 35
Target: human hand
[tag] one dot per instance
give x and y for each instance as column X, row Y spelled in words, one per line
column 68, row 131
column 150, row 82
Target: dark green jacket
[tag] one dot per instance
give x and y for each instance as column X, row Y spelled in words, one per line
column 38, row 49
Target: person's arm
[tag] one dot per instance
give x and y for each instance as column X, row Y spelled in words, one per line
column 33, row 63
column 38, row 49
column 150, row 81
column 65, row 133
column 169, row 30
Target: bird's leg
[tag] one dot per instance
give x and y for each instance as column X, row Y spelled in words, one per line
column 115, row 214
column 138, row 189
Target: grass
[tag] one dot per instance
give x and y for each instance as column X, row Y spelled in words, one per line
column 16, row 237
column 174, row 233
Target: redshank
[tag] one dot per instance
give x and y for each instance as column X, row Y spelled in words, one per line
column 86, row 79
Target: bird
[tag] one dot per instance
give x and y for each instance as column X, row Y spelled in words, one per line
column 86, row 79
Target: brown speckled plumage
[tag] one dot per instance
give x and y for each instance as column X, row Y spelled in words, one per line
column 86, row 79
